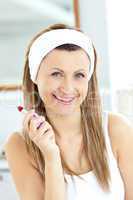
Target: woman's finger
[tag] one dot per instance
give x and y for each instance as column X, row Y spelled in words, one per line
column 27, row 118
column 37, row 126
column 36, row 122
column 40, row 124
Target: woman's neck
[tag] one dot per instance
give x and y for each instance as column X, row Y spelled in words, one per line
column 65, row 126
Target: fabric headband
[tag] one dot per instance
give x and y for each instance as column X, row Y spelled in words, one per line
column 54, row 38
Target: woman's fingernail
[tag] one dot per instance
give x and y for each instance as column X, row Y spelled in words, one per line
column 39, row 125
column 34, row 115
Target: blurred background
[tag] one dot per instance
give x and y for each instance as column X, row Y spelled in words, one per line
column 107, row 22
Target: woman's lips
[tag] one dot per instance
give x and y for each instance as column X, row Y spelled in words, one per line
column 64, row 100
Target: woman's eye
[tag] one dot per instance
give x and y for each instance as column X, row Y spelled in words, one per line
column 80, row 75
column 55, row 73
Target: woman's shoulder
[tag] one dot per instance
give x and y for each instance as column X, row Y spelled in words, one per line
column 119, row 124
column 15, row 144
column 26, row 177
column 120, row 130
column 15, row 139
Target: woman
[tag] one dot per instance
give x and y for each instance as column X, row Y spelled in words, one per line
column 69, row 149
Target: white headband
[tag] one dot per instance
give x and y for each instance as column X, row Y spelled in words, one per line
column 54, row 38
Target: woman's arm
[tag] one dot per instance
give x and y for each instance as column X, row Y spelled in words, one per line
column 27, row 179
column 54, row 180
column 122, row 128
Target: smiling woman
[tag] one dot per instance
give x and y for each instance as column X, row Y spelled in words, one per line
column 70, row 147
column 66, row 83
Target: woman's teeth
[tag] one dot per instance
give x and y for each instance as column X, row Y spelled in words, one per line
column 66, row 100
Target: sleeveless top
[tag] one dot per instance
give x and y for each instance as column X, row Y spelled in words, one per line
column 89, row 188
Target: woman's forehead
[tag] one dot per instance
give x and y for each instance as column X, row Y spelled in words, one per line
column 64, row 58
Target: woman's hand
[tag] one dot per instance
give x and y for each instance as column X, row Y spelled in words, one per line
column 41, row 133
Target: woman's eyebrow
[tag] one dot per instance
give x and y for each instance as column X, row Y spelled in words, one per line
column 63, row 71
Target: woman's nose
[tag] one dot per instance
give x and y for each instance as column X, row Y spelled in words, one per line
column 67, row 86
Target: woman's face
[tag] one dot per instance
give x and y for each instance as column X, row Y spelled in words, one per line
column 62, row 80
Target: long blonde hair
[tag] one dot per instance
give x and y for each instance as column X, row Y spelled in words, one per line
column 91, row 115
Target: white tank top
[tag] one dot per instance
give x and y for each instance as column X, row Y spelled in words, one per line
column 78, row 189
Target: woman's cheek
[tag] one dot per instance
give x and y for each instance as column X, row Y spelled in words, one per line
column 84, row 92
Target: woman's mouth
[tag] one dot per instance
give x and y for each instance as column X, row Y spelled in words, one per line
column 65, row 101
